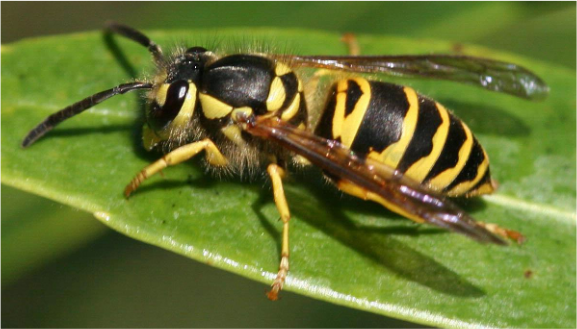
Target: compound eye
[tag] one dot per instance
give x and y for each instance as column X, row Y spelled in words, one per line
column 167, row 104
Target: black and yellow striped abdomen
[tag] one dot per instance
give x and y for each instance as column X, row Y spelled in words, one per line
column 416, row 135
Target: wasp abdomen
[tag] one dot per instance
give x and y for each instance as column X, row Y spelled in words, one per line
column 404, row 130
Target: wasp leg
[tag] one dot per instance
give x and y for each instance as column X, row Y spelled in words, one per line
column 351, row 41
column 504, row 232
column 276, row 174
column 183, row 153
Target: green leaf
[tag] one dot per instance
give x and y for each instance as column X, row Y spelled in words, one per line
column 344, row 250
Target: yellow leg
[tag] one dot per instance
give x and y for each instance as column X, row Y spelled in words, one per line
column 351, row 41
column 276, row 173
column 183, row 153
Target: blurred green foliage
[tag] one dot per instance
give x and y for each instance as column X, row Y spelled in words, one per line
column 541, row 30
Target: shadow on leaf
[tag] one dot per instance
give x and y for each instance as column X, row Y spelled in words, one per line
column 490, row 120
column 377, row 244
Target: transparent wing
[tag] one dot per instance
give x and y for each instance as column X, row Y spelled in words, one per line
column 489, row 74
column 373, row 176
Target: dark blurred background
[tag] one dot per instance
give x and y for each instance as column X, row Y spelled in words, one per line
column 62, row 268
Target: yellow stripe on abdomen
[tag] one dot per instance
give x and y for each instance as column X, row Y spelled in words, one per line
column 446, row 177
column 464, row 187
column 339, row 114
column 419, row 170
column 352, row 122
column 393, row 154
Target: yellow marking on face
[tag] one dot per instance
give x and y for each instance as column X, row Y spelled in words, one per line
column 276, row 95
column 352, row 122
column 364, row 194
column 281, row 69
column 300, row 87
column 302, row 126
column 293, row 108
column 213, row 108
column 149, row 138
column 463, row 187
column 233, row 133
column 187, row 109
column 421, row 168
column 161, row 94
column 393, row 154
column 446, row 177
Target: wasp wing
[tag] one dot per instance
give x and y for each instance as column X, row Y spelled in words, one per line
column 489, row 74
column 400, row 191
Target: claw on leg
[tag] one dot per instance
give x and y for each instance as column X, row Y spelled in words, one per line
column 280, row 278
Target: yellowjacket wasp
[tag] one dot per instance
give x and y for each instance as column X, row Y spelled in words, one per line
column 374, row 140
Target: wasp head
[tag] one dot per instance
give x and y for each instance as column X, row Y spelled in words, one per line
column 174, row 97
